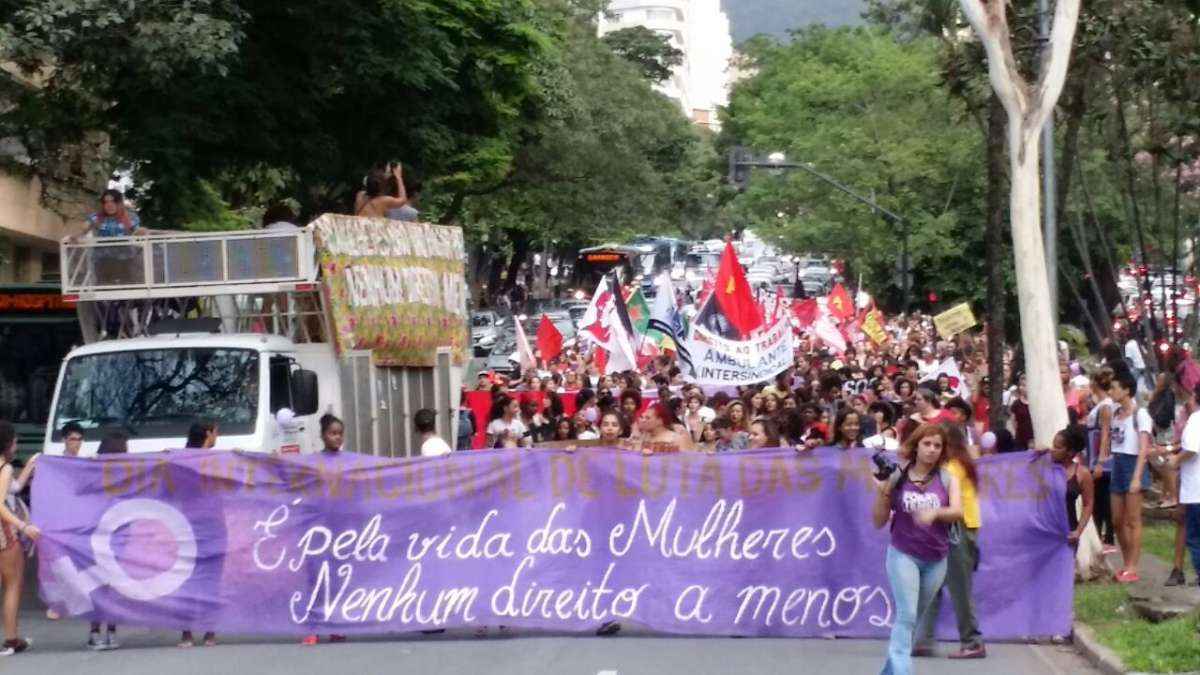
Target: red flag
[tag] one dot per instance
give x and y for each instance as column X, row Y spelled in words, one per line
column 806, row 311
column 839, row 302
column 549, row 340
column 734, row 296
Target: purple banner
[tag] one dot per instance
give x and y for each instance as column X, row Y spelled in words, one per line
column 755, row 543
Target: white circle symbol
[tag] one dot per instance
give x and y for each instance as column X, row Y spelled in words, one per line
column 162, row 584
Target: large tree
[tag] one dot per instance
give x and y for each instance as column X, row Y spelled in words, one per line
column 610, row 158
column 650, row 51
column 1028, row 105
column 199, row 94
column 867, row 110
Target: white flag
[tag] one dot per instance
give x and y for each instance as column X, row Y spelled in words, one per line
column 601, row 326
column 958, row 383
column 524, row 353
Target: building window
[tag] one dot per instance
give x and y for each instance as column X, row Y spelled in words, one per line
column 662, row 15
column 50, row 269
column 21, row 264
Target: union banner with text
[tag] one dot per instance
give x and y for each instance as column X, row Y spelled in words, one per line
column 769, row 543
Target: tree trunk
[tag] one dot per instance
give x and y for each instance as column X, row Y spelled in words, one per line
column 1047, row 404
column 520, row 244
column 1028, row 108
column 995, row 257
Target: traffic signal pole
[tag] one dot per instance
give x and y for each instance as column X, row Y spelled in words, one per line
column 742, row 161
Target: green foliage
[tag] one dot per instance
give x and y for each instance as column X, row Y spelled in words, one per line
column 210, row 213
column 609, row 156
column 867, row 110
column 316, row 90
column 646, row 49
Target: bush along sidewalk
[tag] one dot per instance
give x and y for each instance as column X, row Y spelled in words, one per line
column 1141, row 627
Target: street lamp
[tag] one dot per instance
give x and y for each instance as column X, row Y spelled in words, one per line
column 741, row 161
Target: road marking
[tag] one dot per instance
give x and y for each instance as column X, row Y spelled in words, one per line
column 606, row 672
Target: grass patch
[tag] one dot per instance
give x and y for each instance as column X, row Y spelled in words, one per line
column 1168, row 647
column 1158, row 539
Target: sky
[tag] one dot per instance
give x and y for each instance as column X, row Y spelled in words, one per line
column 776, row 17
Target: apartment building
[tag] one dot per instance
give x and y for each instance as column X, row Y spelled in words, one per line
column 699, row 29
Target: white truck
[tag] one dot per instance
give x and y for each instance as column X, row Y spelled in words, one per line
column 244, row 329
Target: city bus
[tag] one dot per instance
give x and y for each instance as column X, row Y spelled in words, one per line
column 593, row 263
column 37, row 329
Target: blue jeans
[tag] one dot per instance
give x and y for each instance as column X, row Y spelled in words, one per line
column 1191, row 523
column 913, row 581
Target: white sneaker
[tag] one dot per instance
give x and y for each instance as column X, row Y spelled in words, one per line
column 94, row 642
column 110, row 642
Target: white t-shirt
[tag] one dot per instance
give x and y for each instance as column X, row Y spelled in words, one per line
column 434, row 446
column 1133, row 354
column 1125, row 439
column 1189, row 471
column 516, row 428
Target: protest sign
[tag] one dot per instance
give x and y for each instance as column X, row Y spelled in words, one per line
column 872, row 326
column 769, row 542
column 954, row 321
column 395, row 288
column 716, row 360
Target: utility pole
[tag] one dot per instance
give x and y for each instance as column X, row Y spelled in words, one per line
column 1049, row 182
column 741, row 161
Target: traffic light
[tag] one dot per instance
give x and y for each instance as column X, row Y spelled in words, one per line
column 739, row 173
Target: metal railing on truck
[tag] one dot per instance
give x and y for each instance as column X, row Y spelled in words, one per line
column 189, row 264
column 255, row 281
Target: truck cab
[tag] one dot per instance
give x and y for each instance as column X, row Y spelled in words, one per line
column 234, row 328
column 154, row 388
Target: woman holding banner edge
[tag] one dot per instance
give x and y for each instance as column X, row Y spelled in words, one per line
column 920, row 499
column 12, row 554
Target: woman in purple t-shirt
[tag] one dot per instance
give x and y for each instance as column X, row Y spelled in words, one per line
column 921, row 500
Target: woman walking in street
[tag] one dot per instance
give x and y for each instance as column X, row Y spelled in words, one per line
column 963, row 558
column 12, row 554
column 920, row 499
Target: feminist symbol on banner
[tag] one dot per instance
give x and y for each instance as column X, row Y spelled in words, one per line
column 73, row 588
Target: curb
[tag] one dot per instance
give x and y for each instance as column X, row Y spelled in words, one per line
column 1097, row 654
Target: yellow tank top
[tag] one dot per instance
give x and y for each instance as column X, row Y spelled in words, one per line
column 970, row 500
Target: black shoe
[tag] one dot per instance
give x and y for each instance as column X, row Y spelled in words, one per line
column 609, row 628
column 1176, row 578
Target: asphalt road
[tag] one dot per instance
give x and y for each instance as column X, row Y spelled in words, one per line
column 58, row 648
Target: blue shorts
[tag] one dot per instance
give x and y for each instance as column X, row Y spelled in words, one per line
column 1122, row 474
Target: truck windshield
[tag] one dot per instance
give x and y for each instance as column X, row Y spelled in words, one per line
column 159, row 393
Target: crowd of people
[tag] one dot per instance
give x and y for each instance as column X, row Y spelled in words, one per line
column 913, row 391
column 924, row 398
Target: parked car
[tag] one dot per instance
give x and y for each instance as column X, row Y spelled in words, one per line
column 485, row 331
column 502, row 359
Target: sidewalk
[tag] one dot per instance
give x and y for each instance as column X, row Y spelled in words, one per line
column 1148, row 598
